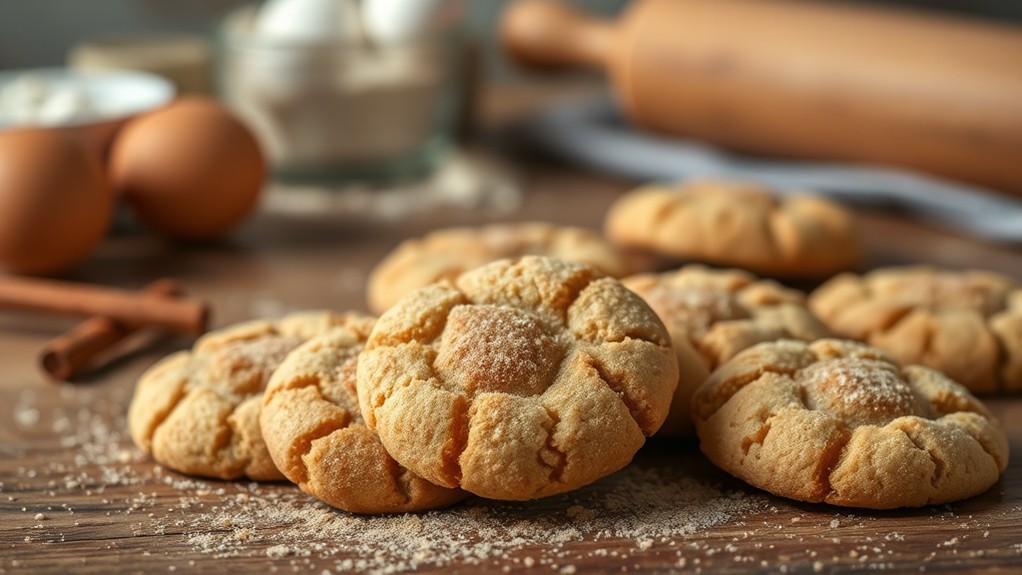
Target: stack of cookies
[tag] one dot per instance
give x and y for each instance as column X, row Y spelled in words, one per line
column 509, row 363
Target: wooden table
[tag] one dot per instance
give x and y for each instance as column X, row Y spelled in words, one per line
column 76, row 496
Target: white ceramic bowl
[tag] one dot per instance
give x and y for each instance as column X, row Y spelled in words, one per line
column 112, row 96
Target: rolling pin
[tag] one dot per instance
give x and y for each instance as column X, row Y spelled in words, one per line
column 802, row 79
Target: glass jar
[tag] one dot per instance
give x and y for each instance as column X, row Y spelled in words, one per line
column 337, row 111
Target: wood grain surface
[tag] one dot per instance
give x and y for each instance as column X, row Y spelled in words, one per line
column 76, row 496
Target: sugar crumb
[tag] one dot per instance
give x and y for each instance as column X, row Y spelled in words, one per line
column 278, row 551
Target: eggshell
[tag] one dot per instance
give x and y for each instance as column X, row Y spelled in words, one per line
column 190, row 170
column 55, row 201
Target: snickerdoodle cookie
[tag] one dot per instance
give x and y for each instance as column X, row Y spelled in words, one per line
column 197, row 411
column 841, row 422
column 519, row 380
column 444, row 254
column 738, row 224
column 712, row 315
column 315, row 434
column 966, row 324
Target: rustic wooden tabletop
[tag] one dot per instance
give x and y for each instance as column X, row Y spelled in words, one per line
column 76, row 496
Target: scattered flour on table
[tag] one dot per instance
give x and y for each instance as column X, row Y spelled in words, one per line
column 463, row 181
column 638, row 504
column 643, row 507
column 647, row 510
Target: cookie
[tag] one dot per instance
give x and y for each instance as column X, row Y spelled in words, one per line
column 445, row 254
column 316, row 436
column 197, row 411
column 521, row 379
column 841, row 422
column 965, row 324
column 738, row 224
column 712, row 315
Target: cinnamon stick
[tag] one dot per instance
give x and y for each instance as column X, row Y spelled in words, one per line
column 180, row 315
column 66, row 355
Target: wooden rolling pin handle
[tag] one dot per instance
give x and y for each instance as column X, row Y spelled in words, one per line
column 549, row 34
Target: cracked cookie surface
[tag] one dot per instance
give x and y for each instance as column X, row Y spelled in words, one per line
column 966, row 324
column 445, row 254
column 738, row 224
column 713, row 314
column 315, row 433
column 522, row 379
column 841, row 422
column 197, row 411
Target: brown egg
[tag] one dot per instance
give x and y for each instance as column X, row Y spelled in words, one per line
column 190, row 170
column 55, row 201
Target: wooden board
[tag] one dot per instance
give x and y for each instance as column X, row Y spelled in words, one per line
column 75, row 496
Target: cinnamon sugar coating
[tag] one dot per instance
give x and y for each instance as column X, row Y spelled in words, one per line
column 966, row 324
column 714, row 314
column 197, row 411
column 523, row 379
column 840, row 422
column 316, row 436
column 738, row 224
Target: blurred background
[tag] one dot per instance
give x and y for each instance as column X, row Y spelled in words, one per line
column 234, row 108
column 40, row 32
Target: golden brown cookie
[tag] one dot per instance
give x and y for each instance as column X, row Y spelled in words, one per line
column 197, row 411
column 316, row 436
column 841, row 422
column 445, row 254
column 738, row 224
column 712, row 315
column 522, row 379
column 967, row 324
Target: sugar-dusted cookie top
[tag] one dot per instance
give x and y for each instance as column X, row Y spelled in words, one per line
column 316, row 436
column 840, row 422
column 738, row 224
column 966, row 324
column 444, row 254
column 712, row 315
column 522, row 379
column 197, row 411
